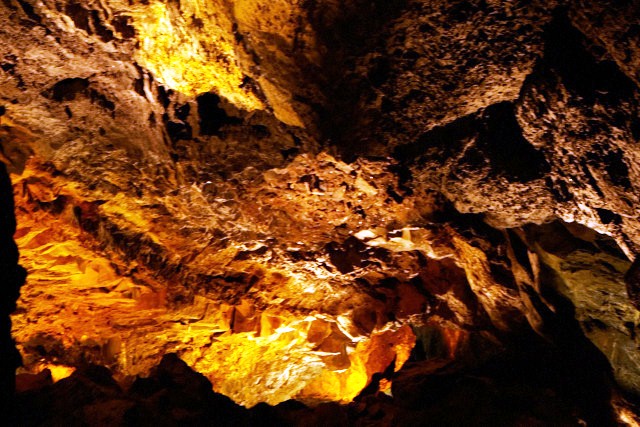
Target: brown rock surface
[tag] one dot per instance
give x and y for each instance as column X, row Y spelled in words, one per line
column 300, row 198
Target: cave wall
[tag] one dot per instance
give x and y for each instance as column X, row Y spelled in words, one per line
column 351, row 185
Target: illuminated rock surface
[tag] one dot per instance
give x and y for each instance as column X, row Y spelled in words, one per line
column 393, row 212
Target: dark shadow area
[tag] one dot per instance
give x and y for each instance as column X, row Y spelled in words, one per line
column 348, row 33
column 12, row 277
column 496, row 138
column 537, row 384
column 566, row 52
column 212, row 116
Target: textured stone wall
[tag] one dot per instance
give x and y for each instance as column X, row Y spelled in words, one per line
column 323, row 198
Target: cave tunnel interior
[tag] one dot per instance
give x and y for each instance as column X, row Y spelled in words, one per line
column 320, row 213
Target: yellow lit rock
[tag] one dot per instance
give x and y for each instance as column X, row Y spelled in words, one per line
column 280, row 101
column 189, row 47
column 368, row 357
column 79, row 300
column 59, row 372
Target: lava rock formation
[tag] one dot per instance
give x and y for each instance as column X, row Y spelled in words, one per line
column 405, row 212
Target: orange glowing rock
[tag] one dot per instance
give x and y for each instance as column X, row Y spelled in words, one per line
column 293, row 332
column 59, row 372
column 385, row 386
column 369, row 356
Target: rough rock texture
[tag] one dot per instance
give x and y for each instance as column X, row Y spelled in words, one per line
column 439, row 61
column 506, row 392
column 325, row 201
column 172, row 394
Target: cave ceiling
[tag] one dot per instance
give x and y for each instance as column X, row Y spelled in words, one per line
column 295, row 196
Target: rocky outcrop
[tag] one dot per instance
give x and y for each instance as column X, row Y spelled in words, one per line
column 172, row 395
column 513, row 390
column 299, row 198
